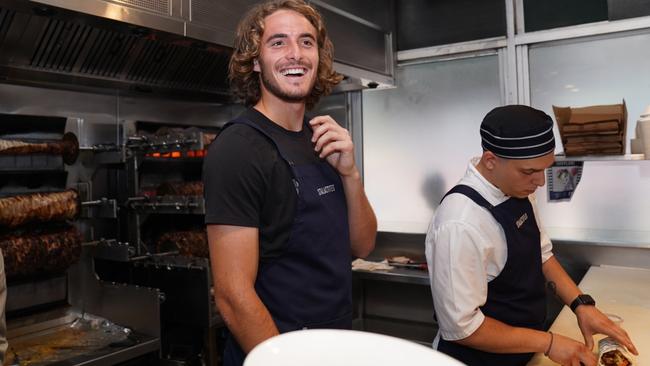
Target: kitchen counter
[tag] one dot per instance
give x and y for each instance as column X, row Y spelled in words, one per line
column 412, row 276
column 617, row 290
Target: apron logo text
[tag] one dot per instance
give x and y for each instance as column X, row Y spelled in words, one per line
column 521, row 220
column 325, row 190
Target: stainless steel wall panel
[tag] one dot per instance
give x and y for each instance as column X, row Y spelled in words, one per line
column 357, row 44
column 128, row 14
column 216, row 20
column 378, row 12
column 157, row 6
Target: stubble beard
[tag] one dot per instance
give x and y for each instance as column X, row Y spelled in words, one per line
column 274, row 88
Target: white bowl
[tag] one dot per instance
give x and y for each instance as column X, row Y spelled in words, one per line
column 333, row 347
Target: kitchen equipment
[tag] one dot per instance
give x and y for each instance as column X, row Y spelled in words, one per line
column 46, row 213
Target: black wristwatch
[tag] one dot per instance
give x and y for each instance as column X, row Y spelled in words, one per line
column 583, row 299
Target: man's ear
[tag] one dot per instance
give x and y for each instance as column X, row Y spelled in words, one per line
column 256, row 65
column 489, row 159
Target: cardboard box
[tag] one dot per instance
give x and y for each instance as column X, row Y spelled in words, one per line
column 577, row 122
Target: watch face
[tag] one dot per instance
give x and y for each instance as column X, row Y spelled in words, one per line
column 586, row 300
column 583, row 299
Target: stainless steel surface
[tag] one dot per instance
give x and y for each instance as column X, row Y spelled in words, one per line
column 401, row 275
column 81, row 49
column 33, row 293
column 91, row 301
column 151, row 14
column 70, row 337
column 584, row 254
column 160, row 45
column 132, row 306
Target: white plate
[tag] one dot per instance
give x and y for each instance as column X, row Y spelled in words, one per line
column 332, row 347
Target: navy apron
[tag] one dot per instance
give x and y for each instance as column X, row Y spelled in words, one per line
column 310, row 284
column 516, row 296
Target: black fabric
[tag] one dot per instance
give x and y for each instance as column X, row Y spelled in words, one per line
column 247, row 183
column 517, row 132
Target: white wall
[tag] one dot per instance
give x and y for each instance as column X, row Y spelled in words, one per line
column 419, row 137
column 612, row 197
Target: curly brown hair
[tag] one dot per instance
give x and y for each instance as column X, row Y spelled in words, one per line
column 245, row 83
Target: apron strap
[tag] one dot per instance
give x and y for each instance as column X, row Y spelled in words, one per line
column 472, row 194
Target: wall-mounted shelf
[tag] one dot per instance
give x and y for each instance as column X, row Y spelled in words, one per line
column 626, row 157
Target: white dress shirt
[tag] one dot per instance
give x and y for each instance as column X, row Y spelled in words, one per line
column 466, row 248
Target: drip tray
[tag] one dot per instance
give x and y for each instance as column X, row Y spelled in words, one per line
column 74, row 338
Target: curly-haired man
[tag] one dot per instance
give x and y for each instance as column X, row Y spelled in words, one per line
column 285, row 207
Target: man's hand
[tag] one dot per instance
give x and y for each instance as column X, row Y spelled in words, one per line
column 593, row 321
column 333, row 143
column 568, row 352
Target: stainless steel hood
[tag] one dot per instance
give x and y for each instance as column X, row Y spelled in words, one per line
column 164, row 47
column 47, row 45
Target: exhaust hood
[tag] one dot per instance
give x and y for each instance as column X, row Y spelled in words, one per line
column 44, row 45
column 178, row 48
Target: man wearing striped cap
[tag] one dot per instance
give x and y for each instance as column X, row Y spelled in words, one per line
column 489, row 260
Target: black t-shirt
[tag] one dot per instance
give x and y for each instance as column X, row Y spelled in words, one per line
column 247, row 183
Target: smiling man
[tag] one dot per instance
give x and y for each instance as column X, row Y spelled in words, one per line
column 489, row 260
column 285, row 207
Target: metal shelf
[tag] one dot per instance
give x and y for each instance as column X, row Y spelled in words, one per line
column 626, row 157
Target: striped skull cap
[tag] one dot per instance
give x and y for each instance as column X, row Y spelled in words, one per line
column 517, row 132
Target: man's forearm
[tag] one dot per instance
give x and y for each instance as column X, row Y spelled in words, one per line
column 361, row 217
column 560, row 281
column 247, row 318
column 498, row 337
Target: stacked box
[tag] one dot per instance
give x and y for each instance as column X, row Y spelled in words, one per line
column 593, row 130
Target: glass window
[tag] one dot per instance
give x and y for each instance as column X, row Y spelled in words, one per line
column 547, row 14
column 611, row 195
column 623, row 9
column 426, row 23
column 418, row 138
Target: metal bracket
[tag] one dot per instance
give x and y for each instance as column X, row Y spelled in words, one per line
column 111, row 249
column 168, row 204
column 90, row 209
column 107, row 153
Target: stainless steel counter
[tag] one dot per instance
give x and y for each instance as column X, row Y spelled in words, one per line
column 411, row 276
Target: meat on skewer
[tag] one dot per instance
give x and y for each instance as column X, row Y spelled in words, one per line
column 67, row 147
column 42, row 253
column 39, row 207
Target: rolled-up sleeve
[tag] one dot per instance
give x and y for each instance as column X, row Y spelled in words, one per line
column 457, row 259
